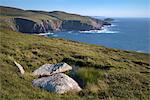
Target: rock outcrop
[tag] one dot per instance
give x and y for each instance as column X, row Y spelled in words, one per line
column 76, row 25
column 53, row 80
column 28, row 26
column 57, row 83
column 49, row 69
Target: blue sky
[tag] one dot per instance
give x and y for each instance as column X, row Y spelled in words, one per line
column 109, row 8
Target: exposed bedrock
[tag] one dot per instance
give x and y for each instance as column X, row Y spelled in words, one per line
column 44, row 26
column 29, row 26
column 75, row 25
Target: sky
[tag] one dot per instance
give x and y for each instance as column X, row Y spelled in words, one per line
column 108, row 8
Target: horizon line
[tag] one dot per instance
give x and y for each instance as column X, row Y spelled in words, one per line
column 75, row 12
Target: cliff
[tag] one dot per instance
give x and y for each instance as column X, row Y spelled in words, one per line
column 30, row 21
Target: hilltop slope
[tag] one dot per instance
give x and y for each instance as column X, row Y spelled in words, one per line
column 30, row 21
column 103, row 73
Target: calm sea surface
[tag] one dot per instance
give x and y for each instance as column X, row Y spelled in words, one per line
column 125, row 33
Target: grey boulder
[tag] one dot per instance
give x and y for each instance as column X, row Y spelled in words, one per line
column 57, row 83
column 49, row 69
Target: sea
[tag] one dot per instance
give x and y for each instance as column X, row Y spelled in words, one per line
column 131, row 34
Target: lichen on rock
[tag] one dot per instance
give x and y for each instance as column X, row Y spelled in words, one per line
column 49, row 69
column 57, row 83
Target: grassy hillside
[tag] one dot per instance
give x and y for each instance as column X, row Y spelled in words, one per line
column 103, row 73
column 8, row 14
column 33, row 14
column 65, row 16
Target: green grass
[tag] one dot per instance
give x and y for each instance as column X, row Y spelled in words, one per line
column 104, row 73
column 68, row 16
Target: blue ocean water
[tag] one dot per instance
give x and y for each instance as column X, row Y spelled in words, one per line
column 125, row 33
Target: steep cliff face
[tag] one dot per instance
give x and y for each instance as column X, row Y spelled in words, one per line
column 75, row 25
column 26, row 26
column 29, row 26
column 42, row 22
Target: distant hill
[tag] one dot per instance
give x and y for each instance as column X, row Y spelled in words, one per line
column 42, row 21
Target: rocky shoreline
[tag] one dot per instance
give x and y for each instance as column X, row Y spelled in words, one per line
column 30, row 21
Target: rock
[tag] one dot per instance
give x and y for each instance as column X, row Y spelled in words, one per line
column 29, row 26
column 75, row 25
column 58, row 83
column 49, row 69
column 19, row 67
column 108, row 21
column 25, row 25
